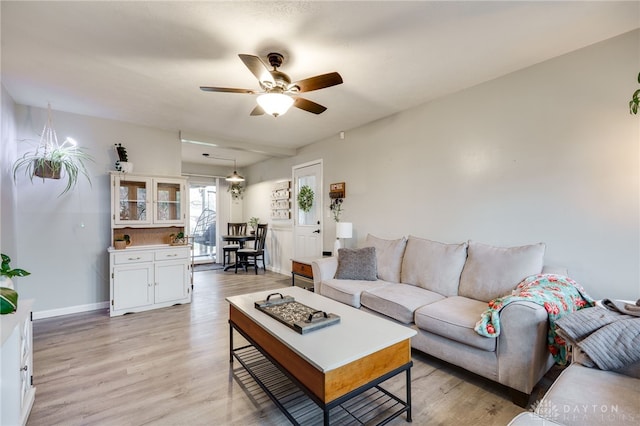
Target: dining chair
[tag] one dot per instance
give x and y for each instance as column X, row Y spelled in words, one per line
column 233, row 228
column 256, row 252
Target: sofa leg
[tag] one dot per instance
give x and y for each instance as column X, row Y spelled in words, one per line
column 521, row 399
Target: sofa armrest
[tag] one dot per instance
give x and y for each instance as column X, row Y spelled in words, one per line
column 323, row 269
column 523, row 354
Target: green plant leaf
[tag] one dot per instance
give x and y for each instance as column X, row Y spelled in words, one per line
column 6, row 271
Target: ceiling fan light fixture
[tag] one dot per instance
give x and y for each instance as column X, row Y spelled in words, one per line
column 275, row 104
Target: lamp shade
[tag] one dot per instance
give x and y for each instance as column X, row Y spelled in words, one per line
column 344, row 230
column 275, row 103
column 234, row 177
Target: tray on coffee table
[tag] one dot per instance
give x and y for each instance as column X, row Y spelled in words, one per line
column 295, row 315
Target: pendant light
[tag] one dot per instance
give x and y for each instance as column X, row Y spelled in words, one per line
column 234, row 177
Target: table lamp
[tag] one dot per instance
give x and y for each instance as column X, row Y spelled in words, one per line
column 343, row 230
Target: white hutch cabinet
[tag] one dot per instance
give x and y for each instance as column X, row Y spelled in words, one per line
column 17, row 392
column 140, row 201
column 150, row 273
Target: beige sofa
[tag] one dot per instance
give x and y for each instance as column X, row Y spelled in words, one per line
column 584, row 396
column 441, row 290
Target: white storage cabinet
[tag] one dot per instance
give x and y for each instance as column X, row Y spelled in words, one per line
column 143, row 201
column 17, row 392
column 149, row 278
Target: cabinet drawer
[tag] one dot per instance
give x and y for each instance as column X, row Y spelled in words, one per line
column 133, row 257
column 180, row 253
column 302, row 269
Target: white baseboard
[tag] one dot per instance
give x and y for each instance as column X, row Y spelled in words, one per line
column 70, row 310
column 278, row 271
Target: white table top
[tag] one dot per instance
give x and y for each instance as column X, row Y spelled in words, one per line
column 357, row 335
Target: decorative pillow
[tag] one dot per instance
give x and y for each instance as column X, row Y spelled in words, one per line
column 433, row 265
column 357, row 264
column 388, row 256
column 492, row 272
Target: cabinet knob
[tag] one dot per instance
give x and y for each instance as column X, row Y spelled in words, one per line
column 25, row 368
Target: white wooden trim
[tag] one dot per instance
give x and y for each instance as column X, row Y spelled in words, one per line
column 70, row 310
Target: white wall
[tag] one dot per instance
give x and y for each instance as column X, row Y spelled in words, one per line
column 549, row 153
column 8, row 197
column 63, row 240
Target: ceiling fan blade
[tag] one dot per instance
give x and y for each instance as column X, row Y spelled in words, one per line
column 318, row 82
column 258, row 68
column 226, row 90
column 308, row 105
column 257, row 111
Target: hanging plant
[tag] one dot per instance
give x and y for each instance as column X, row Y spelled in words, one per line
column 236, row 190
column 336, row 208
column 305, row 198
column 50, row 158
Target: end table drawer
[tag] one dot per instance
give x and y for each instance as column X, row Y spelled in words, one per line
column 133, row 257
column 302, row 269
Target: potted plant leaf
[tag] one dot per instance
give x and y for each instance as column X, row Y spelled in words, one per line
column 50, row 159
column 123, row 164
column 8, row 295
column 253, row 223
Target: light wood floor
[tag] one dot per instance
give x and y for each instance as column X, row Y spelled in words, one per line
column 171, row 367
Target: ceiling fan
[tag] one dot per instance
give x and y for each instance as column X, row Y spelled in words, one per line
column 278, row 93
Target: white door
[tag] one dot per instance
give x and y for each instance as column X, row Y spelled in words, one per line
column 307, row 223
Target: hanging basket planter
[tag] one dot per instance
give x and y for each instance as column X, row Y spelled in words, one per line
column 46, row 169
column 50, row 158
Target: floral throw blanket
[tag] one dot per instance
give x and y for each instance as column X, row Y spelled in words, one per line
column 558, row 294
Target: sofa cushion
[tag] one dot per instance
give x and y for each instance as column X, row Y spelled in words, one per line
column 398, row 301
column 455, row 318
column 491, row 272
column 432, row 265
column 388, row 256
column 348, row 291
column 357, row 264
column 588, row 396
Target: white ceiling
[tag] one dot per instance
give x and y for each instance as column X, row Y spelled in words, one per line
column 143, row 62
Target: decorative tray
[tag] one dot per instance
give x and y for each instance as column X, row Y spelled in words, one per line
column 295, row 315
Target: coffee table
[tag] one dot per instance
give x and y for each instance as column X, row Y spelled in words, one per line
column 339, row 368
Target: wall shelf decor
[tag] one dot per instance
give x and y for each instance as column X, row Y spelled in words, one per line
column 281, row 201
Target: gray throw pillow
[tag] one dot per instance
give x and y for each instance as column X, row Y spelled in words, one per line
column 388, row 256
column 357, row 264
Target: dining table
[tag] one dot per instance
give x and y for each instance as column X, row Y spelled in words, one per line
column 241, row 240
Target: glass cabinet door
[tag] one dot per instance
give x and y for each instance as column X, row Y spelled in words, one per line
column 133, row 201
column 169, row 203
